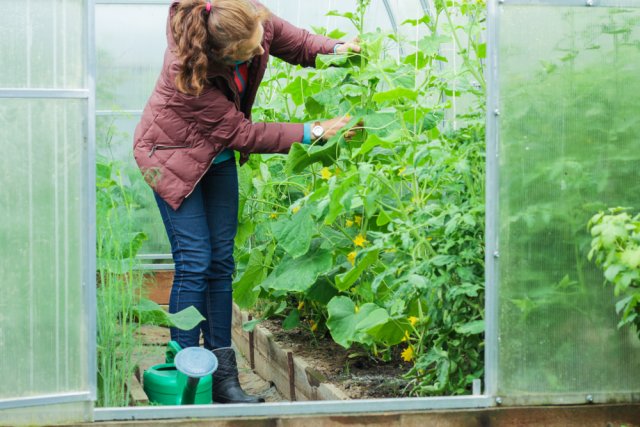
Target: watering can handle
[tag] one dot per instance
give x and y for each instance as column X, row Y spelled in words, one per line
column 172, row 349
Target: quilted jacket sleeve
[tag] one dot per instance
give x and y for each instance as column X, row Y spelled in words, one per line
column 298, row 46
column 218, row 121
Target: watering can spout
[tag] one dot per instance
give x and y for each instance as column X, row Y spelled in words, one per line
column 194, row 363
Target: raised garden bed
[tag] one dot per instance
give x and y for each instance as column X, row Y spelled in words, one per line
column 322, row 370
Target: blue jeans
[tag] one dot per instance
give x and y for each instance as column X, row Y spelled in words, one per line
column 202, row 233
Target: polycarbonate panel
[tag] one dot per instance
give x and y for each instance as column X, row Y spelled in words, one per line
column 114, row 140
column 569, row 146
column 308, row 14
column 131, row 39
column 130, row 44
column 42, row 323
column 42, row 44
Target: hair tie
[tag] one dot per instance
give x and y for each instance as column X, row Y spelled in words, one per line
column 208, row 7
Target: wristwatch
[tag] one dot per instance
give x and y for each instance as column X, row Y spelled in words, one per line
column 317, row 131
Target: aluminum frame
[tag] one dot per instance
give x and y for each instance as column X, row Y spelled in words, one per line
column 491, row 205
column 48, row 399
column 90, row 294
column 220, row 411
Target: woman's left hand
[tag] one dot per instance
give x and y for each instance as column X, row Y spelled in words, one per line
column 350, row 46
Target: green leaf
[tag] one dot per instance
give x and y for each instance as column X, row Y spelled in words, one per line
column 442, row 260
column 631, row 257
column 395, row 95
column 345, row 280
column 298, row 275
column 482, row 50
column 376, row 317
column 298, row 89
column 380, row 123
column 148, row 312
column 337, row 196
column 471, row 328
column 413, row 22
column 390, row 332
column 611, row 272
column 245, row 290
column 383, row 218
column 430, row 44
column 325, row 61
column 343, row 320
column 302, row 155
column 250, row 325
column 294, row 234
column 292, row 320
column 370, row 143
column 322, row 291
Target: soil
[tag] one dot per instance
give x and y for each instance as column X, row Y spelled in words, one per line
column 357, row 375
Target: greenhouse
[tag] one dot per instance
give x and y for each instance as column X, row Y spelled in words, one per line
column 437, row 223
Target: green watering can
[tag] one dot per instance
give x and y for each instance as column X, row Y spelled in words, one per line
column 185, row 378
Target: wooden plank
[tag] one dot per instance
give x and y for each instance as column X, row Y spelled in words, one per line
column 136, row 392
column 158, row 285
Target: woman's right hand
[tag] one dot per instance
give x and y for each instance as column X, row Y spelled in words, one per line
column 334, row 126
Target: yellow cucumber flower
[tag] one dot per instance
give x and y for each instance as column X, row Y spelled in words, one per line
column 325, row 173
column 407, row 355
column 357, row 219
column 413, row 320
column 359, row 240
column 295, row 209
column 349, row 223
column 352, row 257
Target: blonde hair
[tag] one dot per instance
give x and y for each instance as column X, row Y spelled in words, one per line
column 217, row 34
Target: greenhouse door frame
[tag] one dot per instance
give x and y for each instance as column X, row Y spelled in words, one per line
column 478, row 400
column 88, row 94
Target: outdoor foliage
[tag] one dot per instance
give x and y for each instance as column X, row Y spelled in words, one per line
column 378, row 240
column 616, row 248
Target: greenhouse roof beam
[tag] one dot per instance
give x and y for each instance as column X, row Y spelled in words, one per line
column 425, row 7
column 392, row 17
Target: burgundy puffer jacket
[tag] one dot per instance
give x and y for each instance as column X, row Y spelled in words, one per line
column 179, row 135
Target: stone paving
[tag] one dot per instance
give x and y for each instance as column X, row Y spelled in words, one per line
column 155, row 339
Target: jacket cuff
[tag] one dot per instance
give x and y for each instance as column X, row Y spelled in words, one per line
column 306, row 138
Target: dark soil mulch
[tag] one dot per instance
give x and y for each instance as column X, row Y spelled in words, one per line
column 352, row 371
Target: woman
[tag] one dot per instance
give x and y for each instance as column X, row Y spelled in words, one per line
column 198, row 115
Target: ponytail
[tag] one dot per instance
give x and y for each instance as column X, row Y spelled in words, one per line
column 210, row 33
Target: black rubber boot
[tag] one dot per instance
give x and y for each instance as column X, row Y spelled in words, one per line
column 226, row 387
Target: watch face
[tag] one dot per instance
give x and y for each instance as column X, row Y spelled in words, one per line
column 317, row 131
